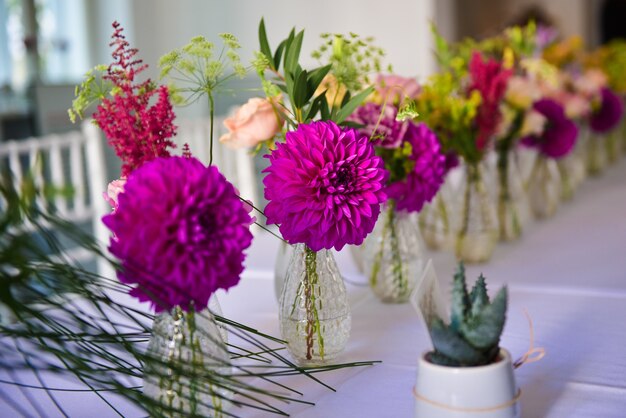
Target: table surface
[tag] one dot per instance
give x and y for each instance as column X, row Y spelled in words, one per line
column 568, row 272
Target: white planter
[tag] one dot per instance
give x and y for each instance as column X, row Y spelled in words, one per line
column 460, row 392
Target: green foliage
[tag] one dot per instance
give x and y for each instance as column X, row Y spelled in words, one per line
column 92, row 90
column 476, row 324
column 198, row 68
column 307, row 99
column 450, row 114
column 353, row 58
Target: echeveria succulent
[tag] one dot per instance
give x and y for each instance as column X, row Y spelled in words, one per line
column 472, row 338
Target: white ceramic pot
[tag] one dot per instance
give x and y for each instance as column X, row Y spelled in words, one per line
column 461, row 392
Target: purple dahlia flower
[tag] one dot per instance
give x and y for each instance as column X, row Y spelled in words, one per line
column 559, row 135
column 180, row 233
column 384, row 130
column 609, row 114
column 324, row 186
column 424, row 180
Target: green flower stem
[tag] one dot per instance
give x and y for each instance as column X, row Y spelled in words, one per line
column 389, row 228
column 443, row 210
column 313, row 327
column 505, row 203
column 212, row 116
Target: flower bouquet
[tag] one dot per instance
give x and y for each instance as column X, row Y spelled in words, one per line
column 324, row 186
column 465, row 118
column 411, row 152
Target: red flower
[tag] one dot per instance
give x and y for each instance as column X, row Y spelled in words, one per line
column 489, row 78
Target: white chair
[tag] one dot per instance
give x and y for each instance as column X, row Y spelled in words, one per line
column 236, row 165
column 74, row 162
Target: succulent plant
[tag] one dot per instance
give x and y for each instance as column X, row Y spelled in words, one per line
column 472, row 338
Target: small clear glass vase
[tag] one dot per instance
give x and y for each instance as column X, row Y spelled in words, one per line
column 436, row 220
column 314, row 313
column 395, row 261
column 596, row 154
column 612, row 144
column 512, row 202
column 544, row 187
column 283, row 258
column 477, row 230
column 186, row 365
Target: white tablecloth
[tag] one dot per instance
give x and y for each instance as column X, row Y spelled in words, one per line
column 568, row 272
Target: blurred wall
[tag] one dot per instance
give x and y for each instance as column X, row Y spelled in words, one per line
column 401, row 27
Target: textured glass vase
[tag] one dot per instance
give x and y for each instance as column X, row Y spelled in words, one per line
column 395, row 261
column 285, row 251
column 436, row 220
column 186, row 364
column 612, row 145
column 596, row 154
column 544, row 187
column 512, row 203
column 314, row 312
column 477, row 229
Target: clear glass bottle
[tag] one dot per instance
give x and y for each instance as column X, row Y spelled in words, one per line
column 395, row 261
column 477, row 230
column 544, row 187
column 512, row 202
column 436, row 220
column 596, row 154
column 185, row 361
column 314, row 313
column 283, row 258
column 612, row 144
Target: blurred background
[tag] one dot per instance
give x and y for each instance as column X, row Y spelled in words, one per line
column 47, row 45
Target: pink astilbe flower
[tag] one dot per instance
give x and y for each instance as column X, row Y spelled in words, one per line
column 137, row 130
column 423, row 182
column 489, row 78
column 180, row 232
column 324, row 186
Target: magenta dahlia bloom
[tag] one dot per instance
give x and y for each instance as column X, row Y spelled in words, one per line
column 324, row 186
column 384, row 130
column 559, row 135
column 180, row 233
column 424, row 180
column 609, row 114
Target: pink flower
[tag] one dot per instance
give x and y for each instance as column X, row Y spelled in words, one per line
column 522, row 92
column 393, row 89
column 591, row 82
column 113, row 190
column 324, row 186
column 254, row 122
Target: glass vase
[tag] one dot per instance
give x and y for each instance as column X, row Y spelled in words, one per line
column 285, row 251
column 394, row 259
column 314, row 312
column 596, row 154
column 477, row 230
column 544, row 187
column 611, row 142
column 186, row 365
column 436, row 221
column 512, row 203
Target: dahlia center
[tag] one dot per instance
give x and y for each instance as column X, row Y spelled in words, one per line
column 341, row 180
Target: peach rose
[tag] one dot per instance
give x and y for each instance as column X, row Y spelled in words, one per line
column 254, row 122
column 534, row 123
column 113, row 191
column 521, row 92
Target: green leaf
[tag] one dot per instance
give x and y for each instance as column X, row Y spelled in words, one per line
column 460, row 299
column 264, row 44
column 292, row 51
column 278, row 55
column 483, row 331
column 352, row 104
column 324, row 110
column 451, row 345
column 300, row 89
column 478, row 296
column 315, row 106
column 315, row 78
